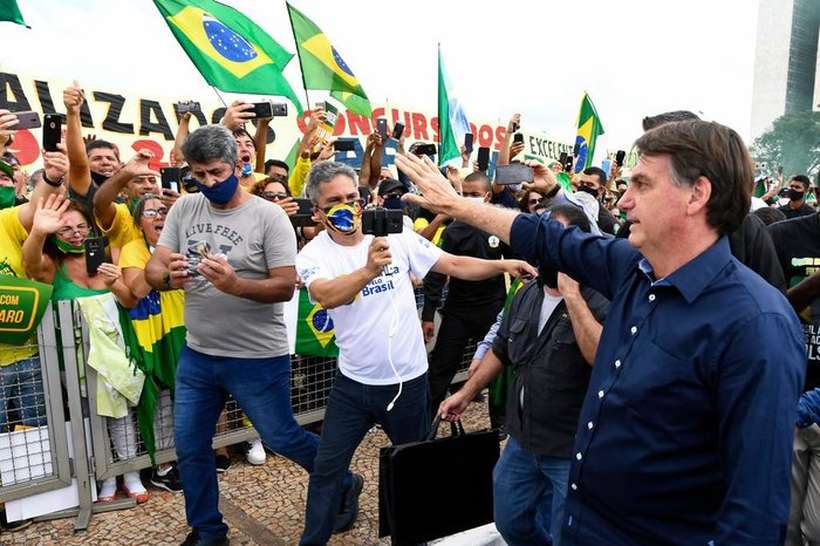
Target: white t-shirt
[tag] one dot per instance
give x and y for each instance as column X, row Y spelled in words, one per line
column 362, row 326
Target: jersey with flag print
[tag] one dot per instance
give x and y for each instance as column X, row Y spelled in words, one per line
column 362, row 326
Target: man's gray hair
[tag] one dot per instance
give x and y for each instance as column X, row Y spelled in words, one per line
column 325, row 171
column 209, row 143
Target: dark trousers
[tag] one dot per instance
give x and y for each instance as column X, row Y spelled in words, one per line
column 455, row 330
column 261, row 388
column 352, row 409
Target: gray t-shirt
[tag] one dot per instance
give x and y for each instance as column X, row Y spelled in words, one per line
column 253, row 237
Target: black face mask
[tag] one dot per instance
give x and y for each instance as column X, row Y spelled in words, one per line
column 586, row 189
column 98, row 178
column 548, row 276
column 795, row 195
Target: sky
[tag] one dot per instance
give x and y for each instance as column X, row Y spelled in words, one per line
column 634, row 57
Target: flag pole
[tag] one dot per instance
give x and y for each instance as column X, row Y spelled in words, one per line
column 219, row 96
column 298, row 54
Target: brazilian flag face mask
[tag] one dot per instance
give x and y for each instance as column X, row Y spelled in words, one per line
column 344, row 217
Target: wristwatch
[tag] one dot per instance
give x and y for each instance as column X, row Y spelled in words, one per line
column 166, row 280
column 56, row 184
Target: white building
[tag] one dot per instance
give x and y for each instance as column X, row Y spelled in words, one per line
column 786, row 61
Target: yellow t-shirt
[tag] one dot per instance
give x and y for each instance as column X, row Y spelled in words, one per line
column 298, row 176
column 256, row 178
column 134, row 254
column 420, row 223
column 12, row 236
column 122, row 230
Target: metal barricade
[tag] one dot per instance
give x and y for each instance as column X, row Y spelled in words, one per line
column 33, row 441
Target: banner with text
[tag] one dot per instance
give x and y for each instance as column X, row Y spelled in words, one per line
column 22, row 303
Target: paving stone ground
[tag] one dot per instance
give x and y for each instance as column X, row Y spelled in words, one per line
column 262, row 504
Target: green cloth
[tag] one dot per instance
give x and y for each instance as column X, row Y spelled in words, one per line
column 119, row 383
column 498, row 386
column 323, row 66
column 589, row 129
column 9, row 11
column 66, row 289
column 448, row 148
column 230, row 51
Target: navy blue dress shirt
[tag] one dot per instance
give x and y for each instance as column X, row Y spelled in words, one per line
column 685, row 435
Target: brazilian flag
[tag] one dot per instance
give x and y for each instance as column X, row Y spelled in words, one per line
column 323, row 67
column 589, row 129
column 230, row 51
column 10, row 11
column 315, row 335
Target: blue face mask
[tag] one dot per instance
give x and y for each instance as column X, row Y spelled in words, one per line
column 221, row 192
column 247, row 169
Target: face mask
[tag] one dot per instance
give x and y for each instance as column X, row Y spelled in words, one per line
column 221, row 192
column 591, row 191
column 475, row 199
column 68, row 248
column 394, row 202
column 98, row 178
column 8, row 196
column 247, row 169
column 795, row 195
column 344, row 218
column 548, row 276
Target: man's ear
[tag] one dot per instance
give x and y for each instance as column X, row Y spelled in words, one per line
column 699, row 196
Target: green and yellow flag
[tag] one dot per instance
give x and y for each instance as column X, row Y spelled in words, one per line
column 589, row 128
column 323, row 67
column 9, row 11
column 315, row 334
column 230, row 51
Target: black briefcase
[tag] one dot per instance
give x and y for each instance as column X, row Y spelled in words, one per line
column 437, row 487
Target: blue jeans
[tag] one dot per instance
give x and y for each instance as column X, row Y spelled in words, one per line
column 529, row 492
column 261, row 387
column 352, row 409
column 21, row 388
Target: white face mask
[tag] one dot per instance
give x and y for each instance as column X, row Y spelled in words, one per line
column 475, row 199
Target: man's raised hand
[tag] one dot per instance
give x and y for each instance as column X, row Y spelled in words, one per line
column 73, row 98
column 437, row 193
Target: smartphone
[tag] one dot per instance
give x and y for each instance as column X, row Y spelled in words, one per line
column 326, row 128
column 518, row 137
column 303, row 216
column 425, row 149
column 262, row 109
column 515, row 126
column 26, row 120
column 381, row 127
column 52, row 131
column 620, row 155
column 398, row 130
column 188, row 107
column 468, row 142
column 345, row 144
column 514, row 173
column 379, row 221
column 279, row 109
column 170, row 177
column 94, row 254
column 483, row 159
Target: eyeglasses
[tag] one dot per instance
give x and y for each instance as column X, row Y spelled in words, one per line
column 68, row 231
column 534, row 201
column 273, row 196
column 153, row 213
column 356, row 203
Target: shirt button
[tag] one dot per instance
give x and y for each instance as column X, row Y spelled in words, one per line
column 651, row 297
column 590, row 425
column 574, row 487
column 600, row 394
column 578, row 456
column 617, row 364
column 634, row 330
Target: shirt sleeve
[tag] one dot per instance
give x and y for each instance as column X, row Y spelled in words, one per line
column 808, row 409
column 434, row 283
column 279, row 238
column 421, row 253
column 310, row 266
column 134, row 254
column 486, row 344
column 602, row 263
column 169, row 238
column 122, row 230
column 296, row 181
column 499, row 346
column 757, row 389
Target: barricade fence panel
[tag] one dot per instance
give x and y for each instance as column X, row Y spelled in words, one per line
column 33, row 442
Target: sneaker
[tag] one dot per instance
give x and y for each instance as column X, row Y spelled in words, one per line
column 223, row 463
column 193, row 540
column 12, row 526
column 350, row 506
column 256, row 453
column 169, row 480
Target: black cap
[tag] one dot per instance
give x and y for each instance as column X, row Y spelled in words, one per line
column 389, row 185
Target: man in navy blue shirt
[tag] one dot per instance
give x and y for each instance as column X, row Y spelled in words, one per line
column 686, row 431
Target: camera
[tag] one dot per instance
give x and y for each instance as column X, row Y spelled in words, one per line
column 269, row 109
column 188, row 107
column 380, row 222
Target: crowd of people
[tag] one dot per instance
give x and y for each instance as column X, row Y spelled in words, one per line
column 648, row 334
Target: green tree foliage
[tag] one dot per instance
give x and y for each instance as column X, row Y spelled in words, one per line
column 793, row 142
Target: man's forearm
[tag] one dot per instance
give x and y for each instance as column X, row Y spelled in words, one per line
column 260, row 140
column 468, row 268
column 79, row 173
column 375, row 166
column 341, row 291
column 270, row 290
column 156, row 274
column 802, row 294
column 494, row 220
column 587, row 329
column 105, row 196
column 488, row 370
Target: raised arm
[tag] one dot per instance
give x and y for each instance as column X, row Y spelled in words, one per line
column 182, row 134
column 260, row 142
column 364, row 173
column 7, row 121
column 375, row 162
column 586, row 327
column 47, row 220
column 55, row 167
column 79, row 170
column 504, row 153
column 476, row 269
column 104, row 209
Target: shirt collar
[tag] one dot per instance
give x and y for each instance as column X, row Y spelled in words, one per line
column 693, row 277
